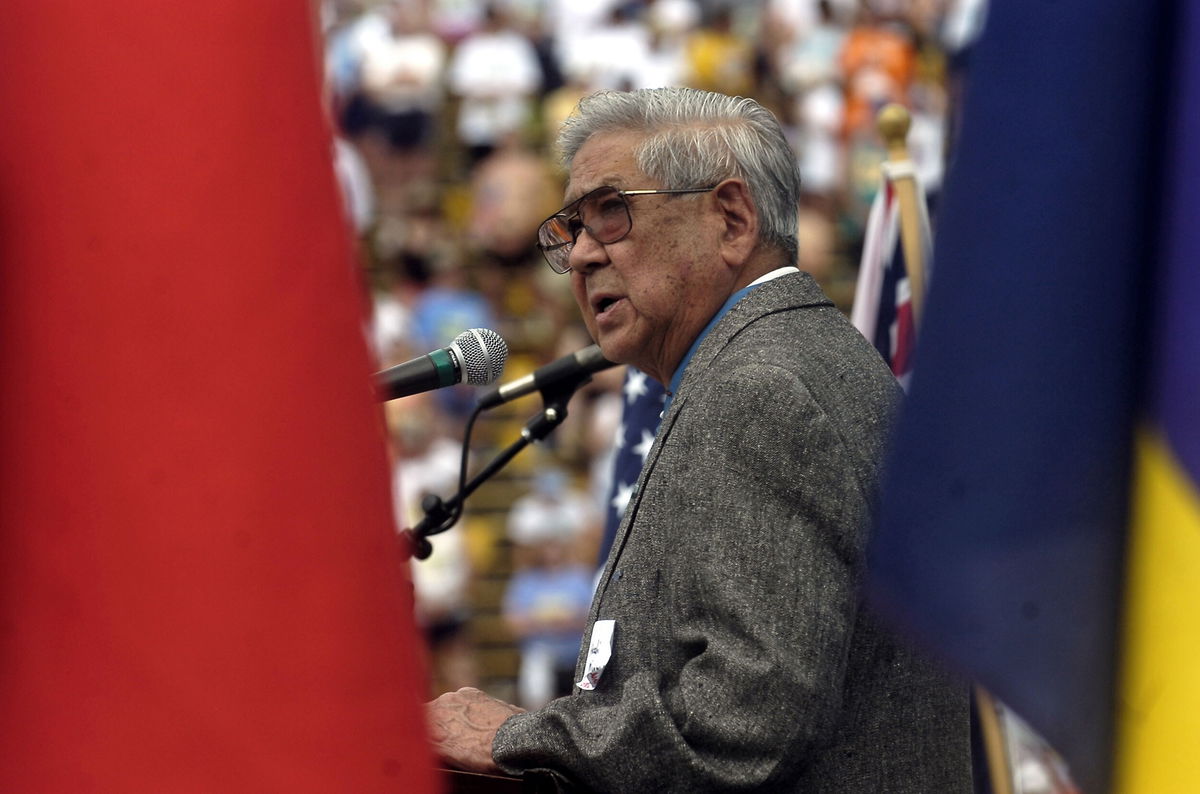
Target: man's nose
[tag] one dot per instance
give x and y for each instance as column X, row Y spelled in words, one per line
column 587, row 253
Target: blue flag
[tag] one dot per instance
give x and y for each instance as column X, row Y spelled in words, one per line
column 1003, row 522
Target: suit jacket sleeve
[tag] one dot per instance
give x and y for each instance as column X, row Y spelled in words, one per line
column 735, row 593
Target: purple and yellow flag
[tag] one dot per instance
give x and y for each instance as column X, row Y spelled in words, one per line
column 1158, row 718
column 1040, row 523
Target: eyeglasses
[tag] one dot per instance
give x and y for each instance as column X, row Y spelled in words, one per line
column 604, row 212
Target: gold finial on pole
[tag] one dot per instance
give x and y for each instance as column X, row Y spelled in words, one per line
column 893, row 122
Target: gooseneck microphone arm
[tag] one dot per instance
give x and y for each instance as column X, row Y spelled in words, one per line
column 441, row 514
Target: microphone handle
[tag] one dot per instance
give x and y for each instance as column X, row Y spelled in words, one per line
column 567, row 373
column 432, row 371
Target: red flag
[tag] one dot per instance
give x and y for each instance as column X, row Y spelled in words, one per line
column 199, row 583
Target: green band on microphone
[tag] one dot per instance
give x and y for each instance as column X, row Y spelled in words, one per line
column 444, row 365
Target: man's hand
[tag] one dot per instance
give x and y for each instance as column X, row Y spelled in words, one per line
column 463, row 725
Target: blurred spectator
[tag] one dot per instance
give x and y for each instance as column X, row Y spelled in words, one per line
column 670, row 22
column 818, row 253
column 345, row 26
column 496, row 74
column 408, row 249
column 553, row 509
column 568, row 19
column 559, row 103
column 548, row 596
column 529, row 18
column 454, row 20
column 399, row 88
column 611, row 54
column 812, row 57
column 427, row 298
column 444, row 309
column 427, row 461
column 784, row 22
column 546, row 606
column 427, row 458
column 443, row 609
column 927, row 134
column 447, row 307
column 391, row 310
column 878, row 60
column 820, row 112
column 402, row 78
column 512, row 192
column 719, row 59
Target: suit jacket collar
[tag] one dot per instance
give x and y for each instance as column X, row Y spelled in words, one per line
column 793, row 291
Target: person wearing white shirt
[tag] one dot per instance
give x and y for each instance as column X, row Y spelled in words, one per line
column 496, row 74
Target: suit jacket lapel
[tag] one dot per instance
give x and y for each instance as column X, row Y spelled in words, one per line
column 786, row 292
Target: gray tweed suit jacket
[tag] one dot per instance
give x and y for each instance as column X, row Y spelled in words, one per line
column 743, row 658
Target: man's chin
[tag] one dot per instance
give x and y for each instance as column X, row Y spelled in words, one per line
column 614, row 351
column 631, row 355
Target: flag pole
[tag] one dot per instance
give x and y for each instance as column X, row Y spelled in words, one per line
column 893, row 123
column 995, row 747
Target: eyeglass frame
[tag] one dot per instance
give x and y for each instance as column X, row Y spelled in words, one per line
column 566, row 214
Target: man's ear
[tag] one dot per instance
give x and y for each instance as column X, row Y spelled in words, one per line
column 739, row 233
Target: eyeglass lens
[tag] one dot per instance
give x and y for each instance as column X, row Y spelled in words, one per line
column 603, row 212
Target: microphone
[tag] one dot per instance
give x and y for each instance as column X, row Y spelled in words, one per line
column 476, row 356
column 568, row 372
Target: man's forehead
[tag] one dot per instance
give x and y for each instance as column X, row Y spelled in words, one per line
column 607, row 158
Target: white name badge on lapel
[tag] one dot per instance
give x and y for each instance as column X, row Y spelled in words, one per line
column 599, row 652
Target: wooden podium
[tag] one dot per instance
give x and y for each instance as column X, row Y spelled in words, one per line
column 456, row 782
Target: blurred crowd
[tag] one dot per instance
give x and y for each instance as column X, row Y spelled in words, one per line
column 446, row 112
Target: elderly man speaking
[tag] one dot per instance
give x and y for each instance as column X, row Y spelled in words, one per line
column 727, row 647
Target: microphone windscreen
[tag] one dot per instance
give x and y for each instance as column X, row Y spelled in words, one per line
column 481, row 353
